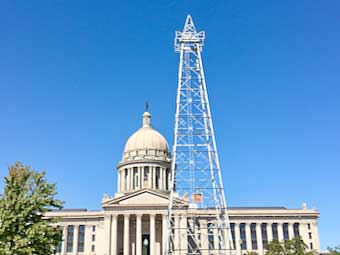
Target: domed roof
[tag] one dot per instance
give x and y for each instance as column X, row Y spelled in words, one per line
column 146, row 142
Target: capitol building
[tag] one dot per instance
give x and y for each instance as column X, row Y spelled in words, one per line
column 133, row 221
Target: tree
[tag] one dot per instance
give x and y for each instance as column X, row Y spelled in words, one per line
column 295, row 246
column 274, row 248
column 335, row 250
column 26, row 198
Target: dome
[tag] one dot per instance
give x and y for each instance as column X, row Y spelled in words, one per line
column 146, row 143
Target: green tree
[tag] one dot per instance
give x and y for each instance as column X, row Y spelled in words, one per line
column 26, row 198
column 274, row 248
column 335, row 250
column 295, row 246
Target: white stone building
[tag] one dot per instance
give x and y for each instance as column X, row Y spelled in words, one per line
column 133, row 221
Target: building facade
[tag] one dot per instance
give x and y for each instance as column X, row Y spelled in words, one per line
column 134, row 220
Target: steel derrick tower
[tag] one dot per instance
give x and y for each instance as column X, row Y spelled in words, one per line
column 196, row 175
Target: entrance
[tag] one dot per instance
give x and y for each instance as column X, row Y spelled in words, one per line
column 145, row 244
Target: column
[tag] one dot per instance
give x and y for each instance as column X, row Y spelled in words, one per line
column 114, row 235
column 315, row 236
column 183, row 234
column 269, row 232
column 131, row 178
column 75, row 239
column 177, row 235
column 237, row 238
column 248, row 237
column 126, row 248
column 280, row 231
column 160, row 178
column 304, row 233
column 152, row 234
column 153, row 177
column 138, row 234
column 259, row 238
column 142, row 177
column 291, row 230
column 150, row 177
column 164, row 177
column 118, row 181
column 164, row 232
column 107, row 234
column 204, row 237
column 64, row 240
column 216, row 237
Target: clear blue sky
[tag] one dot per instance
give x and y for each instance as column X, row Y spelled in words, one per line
column 74, row 76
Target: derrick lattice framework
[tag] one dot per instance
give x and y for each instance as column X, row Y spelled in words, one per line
column 196, row 177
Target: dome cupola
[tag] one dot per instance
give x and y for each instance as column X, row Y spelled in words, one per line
column 146, row 161
column 146, row 143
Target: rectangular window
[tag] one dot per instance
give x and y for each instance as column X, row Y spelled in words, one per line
column 310, row 235
column 125, row 179
column 296, row 230
column 243, row 236
column 211, row 235
column 81, row 238
column 69, row 241
column 308, row 226
column 167, row 178
column 93, row 248
column 311, row 246
column 275, row 233
column 93, row 228
column 264, row 235
column 58, row 248
column 93, row 238
column 232, row 229
column 285, row 231
column 157, row 177
column 146, row 176
column 253, row 236
column 135, row 178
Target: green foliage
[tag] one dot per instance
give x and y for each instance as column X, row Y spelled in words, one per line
column 295, row 246
column 26, row 198
column 335, row 250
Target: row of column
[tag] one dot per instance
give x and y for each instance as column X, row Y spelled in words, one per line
column 259, row 237
column 87, row 240
column 110, row 226
column 128, row 181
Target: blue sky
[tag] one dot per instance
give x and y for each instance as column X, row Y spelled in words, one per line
column 74, row 76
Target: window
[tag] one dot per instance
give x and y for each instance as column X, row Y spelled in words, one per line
column 232, row 229
column 253, row 236
column 58, row 248
column 146, row 176
column 69, row 241
column 311, row 246
column 308, row 226
column 243, row 236
column 93, row 238
column 310, row 235
column 275, row 233
column 93, row 228
column 81, row 238
column 264, row 235
column 125, row 179
column 93, row 248
column 285, row 231
column 135, row 178
column 167, row 177
column 157, row 177
column 296, row 230
column 211, row 235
